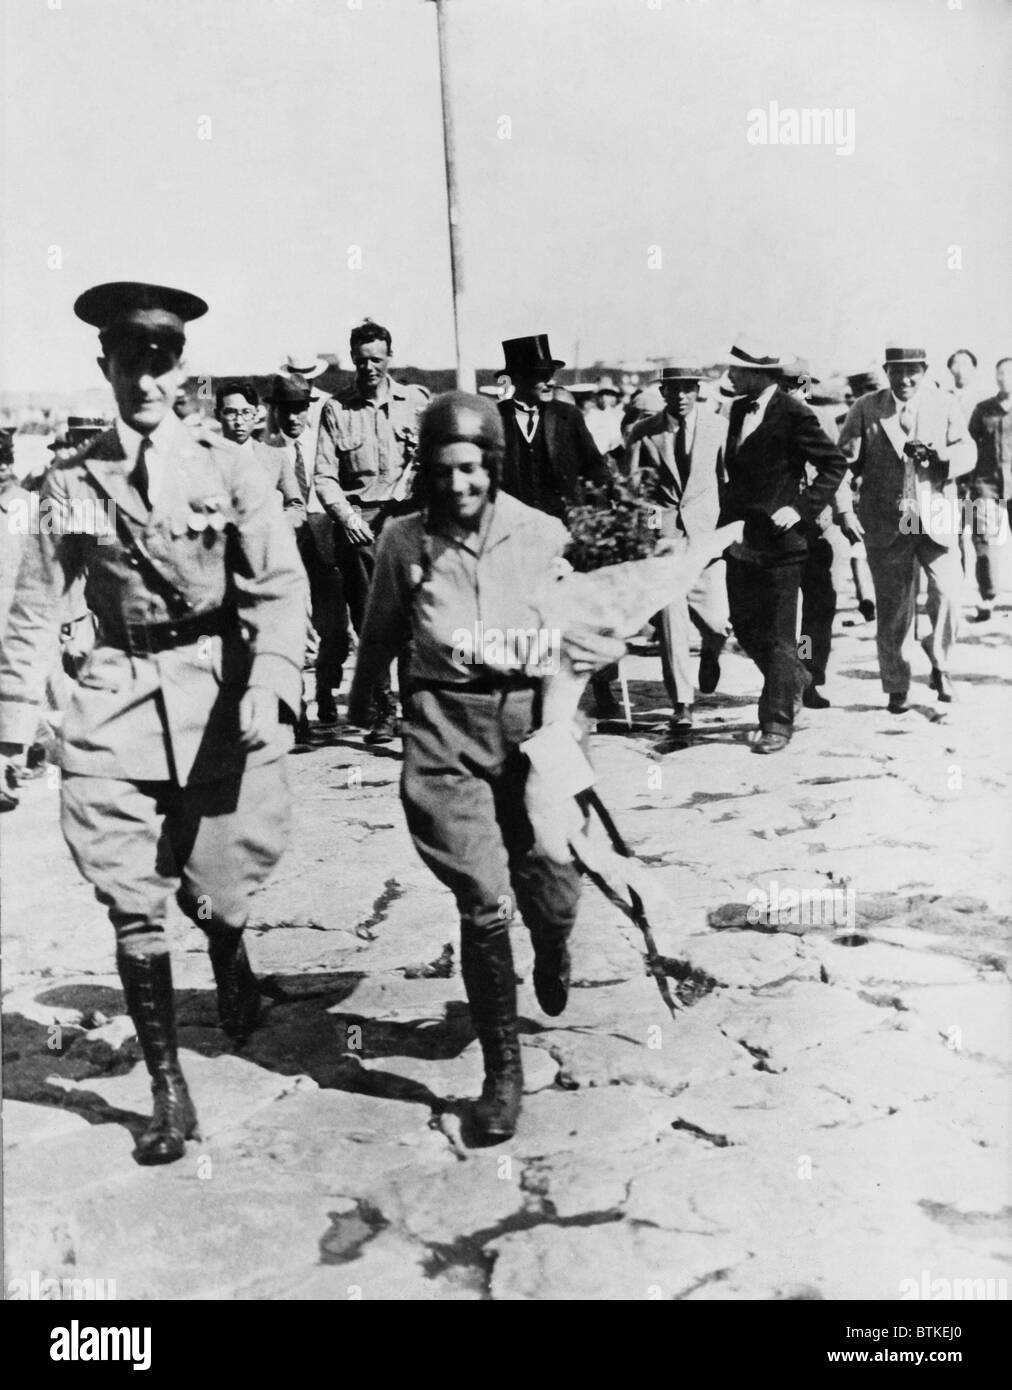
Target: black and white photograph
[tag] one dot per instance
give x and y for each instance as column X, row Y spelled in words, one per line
column 505, row 660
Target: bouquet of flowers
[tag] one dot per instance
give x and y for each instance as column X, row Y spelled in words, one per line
column 620, row 578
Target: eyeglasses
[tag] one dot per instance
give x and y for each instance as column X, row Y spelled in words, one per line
column 247, row 414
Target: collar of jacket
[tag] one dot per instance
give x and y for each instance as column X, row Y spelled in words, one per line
column 396, row 392
column 508, row 517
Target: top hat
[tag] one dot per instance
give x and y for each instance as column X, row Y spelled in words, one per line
column 304, row 364
column 291, row 390
column 749, row 352
column 531, row 354
column 680, row 373
column 126, row 308
column 896, row 356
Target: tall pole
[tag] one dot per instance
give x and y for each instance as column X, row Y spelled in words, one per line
column 465, row 370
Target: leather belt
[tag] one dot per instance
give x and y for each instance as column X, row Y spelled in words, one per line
column 160, row 637
column 487, row 685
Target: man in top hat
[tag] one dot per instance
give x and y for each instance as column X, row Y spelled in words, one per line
column 549, row 449
column 173, row 769
column 907, row 445
column 291, row 401
column 770, row 438
column 237, row 406
column 364, row 463
column 604, row 421
column 683, row 444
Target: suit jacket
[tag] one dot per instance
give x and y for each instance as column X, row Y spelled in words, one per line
column 697, row 505
column 767, row 471
column 218, row 536
column 573, row 457
column 895, row 497
column 281, row 471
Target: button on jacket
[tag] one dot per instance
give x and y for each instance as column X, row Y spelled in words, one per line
column 218, row 536
column 362, row 446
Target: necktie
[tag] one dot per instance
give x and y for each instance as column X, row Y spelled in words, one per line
column 681, row 453
column 300, row 472
column 140, row 478
column 907, row 418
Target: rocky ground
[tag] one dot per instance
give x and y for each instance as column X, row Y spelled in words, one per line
column 827, row 1116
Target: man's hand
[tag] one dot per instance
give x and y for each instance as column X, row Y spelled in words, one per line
column 10, row 793
column 357, row 528
column 784, row 518
column 258, row 717
column 851, row 528
column 589, row 650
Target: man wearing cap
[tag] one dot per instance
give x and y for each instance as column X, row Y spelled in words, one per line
column 684, row 447
column 770, row 438
column 549, row 449
column 364, row 464
column 291, row 402
column 907, row 445
column 173, row 768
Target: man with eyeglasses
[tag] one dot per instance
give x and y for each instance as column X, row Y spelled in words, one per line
column 237, row 406
column 173, row 743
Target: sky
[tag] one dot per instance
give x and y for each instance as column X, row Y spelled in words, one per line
column 610, row 194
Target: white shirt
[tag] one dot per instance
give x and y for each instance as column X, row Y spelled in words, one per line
column 605, row 428
column 527, row 419
column 163, row 438
column 313, row 503
column 752, row 419
column 910, row 407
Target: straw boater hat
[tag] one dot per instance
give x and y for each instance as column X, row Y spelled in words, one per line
column 304, row 364
column 681, row 372
column 748, row 351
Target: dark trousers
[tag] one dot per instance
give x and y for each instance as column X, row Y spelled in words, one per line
column 357, row 564
column 462, row 786
column 326, row 592
column 990, row 533
column 764, row 614
column 818, row 607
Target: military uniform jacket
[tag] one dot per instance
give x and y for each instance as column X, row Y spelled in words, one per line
column 890, row 486
column 220, row 540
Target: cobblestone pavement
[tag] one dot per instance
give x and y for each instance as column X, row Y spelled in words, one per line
column 826, row 1118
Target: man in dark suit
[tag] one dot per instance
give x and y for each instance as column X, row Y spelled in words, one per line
column 771, row 436
column 549, row 450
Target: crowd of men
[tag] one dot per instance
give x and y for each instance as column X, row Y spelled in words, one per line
column 225, row 548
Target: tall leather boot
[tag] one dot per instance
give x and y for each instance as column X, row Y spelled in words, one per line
column 147, row 984
column 238, row 993
column 486, row 963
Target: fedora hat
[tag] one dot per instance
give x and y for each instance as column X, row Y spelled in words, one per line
column 304, row 364
column 680, row 373
column 896, row 356
column 748, row 351
column 530, row 354
column 291, row 390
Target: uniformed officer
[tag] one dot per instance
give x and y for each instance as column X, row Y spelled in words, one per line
column 464, row 567
column 364, row 460
column 173, row 774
